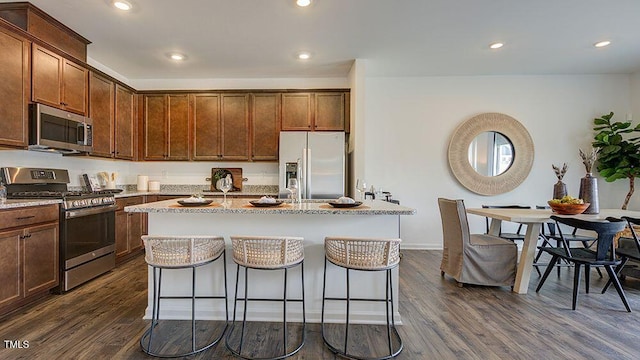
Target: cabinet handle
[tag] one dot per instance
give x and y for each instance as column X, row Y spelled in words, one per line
column 25, row 217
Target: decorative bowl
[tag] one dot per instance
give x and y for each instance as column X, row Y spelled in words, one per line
column 568, row 209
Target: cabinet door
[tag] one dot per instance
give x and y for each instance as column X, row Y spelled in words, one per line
column 136, row 229
column 329, row 111
column 40, row 258
column 206, row 127
column 46, row 77
column 125, row 121
column 178, row 126
column 265, row 126
column 74, row 87
column 155, row 131
column 101, row 112
column 122, row 236
column 234, row 116
column 10, row 270
column 296, row 112
column 14, row 92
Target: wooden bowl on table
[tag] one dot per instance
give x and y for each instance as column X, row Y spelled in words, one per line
column 568, row 209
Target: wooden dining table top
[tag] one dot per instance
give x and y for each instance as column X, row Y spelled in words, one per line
column 529, row 216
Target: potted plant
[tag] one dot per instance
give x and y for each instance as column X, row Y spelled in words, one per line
column 619, row 151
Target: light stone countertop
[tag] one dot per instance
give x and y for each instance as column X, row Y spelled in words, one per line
column 20, row 203
column 242, row 206
column 188, row 190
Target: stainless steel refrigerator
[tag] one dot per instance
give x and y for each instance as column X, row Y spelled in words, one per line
column 317, row 159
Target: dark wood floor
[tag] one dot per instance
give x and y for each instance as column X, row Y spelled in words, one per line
column 102, row 320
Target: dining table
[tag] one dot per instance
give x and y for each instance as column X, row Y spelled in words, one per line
column 533, row 219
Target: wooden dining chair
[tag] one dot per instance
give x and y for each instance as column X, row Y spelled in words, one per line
column 604, row 254
column 627, row 253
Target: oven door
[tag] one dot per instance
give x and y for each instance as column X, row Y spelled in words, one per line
column 86, row 234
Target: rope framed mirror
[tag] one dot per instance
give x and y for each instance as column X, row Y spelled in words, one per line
column 491, row 154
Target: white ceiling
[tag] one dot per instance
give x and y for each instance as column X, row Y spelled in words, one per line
column 259, row 38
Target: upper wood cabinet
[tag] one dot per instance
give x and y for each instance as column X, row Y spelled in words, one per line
column 125, row 123
column 316, row 111
column 234, row 117
column 220, row 127
column 265, row 126
column 101, row 112
column 14, row 91
column 206, row 126
column 166, row 127
column 296, row 112
column 58, row 82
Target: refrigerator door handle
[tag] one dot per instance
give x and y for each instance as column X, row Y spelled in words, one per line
column 308, row 171
column 302, row 186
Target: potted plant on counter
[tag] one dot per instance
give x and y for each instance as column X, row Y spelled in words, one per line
column 619, row 151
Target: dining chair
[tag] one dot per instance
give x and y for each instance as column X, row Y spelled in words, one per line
column 518, row 235
column 551, row 234
column 479, row 259
column 626, row 253
column 603, row 256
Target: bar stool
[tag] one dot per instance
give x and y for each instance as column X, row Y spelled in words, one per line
column 363, row 254
column 181, row 252
column 266, row 253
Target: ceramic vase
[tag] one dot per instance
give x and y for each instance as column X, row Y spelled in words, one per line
column 559, row 190
column 589, row 193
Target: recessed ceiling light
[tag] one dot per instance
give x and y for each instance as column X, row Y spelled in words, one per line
column 122, row 5
column 602, row 43
column 496, row 45
column 304, row 56
column 303, row 2
column 177, row 56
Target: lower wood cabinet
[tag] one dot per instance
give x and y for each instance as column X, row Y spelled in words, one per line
column 29, row 262
column 129, row 229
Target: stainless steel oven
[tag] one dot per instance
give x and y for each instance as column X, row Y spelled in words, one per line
column 87, row 244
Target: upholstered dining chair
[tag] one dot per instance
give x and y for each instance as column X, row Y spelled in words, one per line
column 478, row 259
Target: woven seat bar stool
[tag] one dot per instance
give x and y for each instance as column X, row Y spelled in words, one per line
column 266, row 253
column 363, row 254
column 181, row 252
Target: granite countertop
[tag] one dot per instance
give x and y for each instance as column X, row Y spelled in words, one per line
column 20, row 203
column 242, row 206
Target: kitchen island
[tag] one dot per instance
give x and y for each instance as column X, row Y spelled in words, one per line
column 313, row 220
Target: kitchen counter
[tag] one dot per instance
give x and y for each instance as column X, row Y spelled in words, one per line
column 242, row 206
column 19, row 203
column 312, row 220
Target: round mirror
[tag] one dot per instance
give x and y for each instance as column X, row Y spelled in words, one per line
column 490, row 153
column 496, row 136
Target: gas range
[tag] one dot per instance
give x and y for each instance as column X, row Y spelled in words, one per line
column 30, row 183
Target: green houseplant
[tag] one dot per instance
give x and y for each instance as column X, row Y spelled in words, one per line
column 619, row 151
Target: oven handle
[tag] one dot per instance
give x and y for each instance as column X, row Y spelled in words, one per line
column 70, row 214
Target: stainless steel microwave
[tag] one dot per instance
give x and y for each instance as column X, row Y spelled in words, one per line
column 56, row 130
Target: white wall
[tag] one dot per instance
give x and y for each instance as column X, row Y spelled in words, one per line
column 167, row 172
column 410, row 120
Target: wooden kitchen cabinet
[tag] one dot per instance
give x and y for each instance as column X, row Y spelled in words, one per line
column 15, row 89
column 220, row 124
column 40, row 258
column 58, row 82
column 265, row 126
column 205, row 119
column 296, row 112
column 129, row 229
column 317, row 111
column 29, row 260
column 234, row 118
column 101, row 112
column 125, row 122
column 166, row 127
